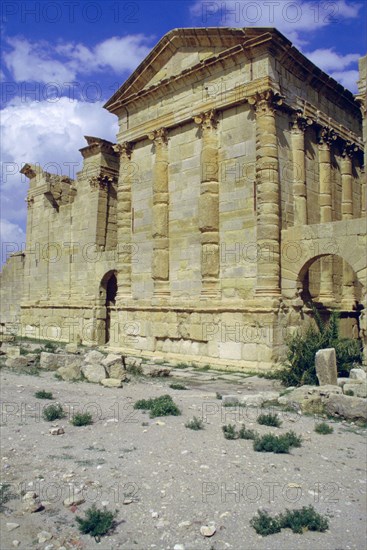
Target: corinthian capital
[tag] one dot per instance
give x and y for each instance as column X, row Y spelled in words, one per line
column 326, row 136
column 349, row 149
column 300, row 122
column 124, row 149
column 266, row 102
column 160, row 137
column 207, row 120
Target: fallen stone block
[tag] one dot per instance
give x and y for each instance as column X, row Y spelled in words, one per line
column 358, row 374
column 351, row 408
column 94, row 357
column 111, row 383
column 94, row 373
column 155, row 371
column 326, row 371
column 356, row 390
column 72, row 348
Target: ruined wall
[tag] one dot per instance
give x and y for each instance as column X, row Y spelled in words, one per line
column 11, row 292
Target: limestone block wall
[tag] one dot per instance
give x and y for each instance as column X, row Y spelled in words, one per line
column 11, row 291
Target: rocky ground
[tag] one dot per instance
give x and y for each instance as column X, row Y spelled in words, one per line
column 167, row 481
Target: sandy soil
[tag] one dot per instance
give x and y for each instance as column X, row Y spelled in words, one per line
column 165, row 480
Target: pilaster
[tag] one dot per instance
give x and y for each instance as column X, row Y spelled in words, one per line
column 209, row 204
column 160, row 224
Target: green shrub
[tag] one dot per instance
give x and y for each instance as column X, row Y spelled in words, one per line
column 270, row 443
column 177, row 386
column 244, row 433
column 50, row 347
column 265, row 525
column 195, row 424
column 96, row 523
column 229, row 431
column 218, row 395
column 160, row 406
column 82, row 419
column 53, row 412
column 299, row 368
column 301, row 520
column 135, row 370
column 349, row 392
column 323, row 428
column 269, row 419
column 293, row 439
column 5, row 495
column 42, row 394
column 304, row 519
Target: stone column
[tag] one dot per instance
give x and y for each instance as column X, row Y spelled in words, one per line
column 124, row 221
column 267, row 194
column 348, row 296
column 209, row 204
column 326, row 138
column 299, row 169
column 160, row 222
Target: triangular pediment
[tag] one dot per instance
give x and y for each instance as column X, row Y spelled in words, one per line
column 181, row 49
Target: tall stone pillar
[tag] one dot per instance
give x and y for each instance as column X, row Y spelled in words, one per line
column 160, row 222
column 299, row 169
column 348, row 295
column 124, row 222
column 326, row 138
column 267, row 194
column 209, row 204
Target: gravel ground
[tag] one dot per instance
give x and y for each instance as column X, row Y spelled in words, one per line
column 165, row 480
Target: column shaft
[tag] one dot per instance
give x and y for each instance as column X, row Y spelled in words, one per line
column 299, row 171
column 160, row 222
column 267, row 195
column 124, row 221
column 348, row 294
column 209, row 204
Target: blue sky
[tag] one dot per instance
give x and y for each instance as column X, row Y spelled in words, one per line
column 62, row 59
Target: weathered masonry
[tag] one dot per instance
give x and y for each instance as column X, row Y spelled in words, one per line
column 234, row 197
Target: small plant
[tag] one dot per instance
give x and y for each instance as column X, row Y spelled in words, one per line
column 349, row 392
column 135, row 370
column 293, row 439
column 269, row 420
column 205, row 368
column 82, row 419
column 323, row 428
column 301, row 520
column 195, row 424
column 53, row 412
column 177, row 386
column 96, row 523
column 182, row 366
column 265, row 525
column 50, row 347
column 270, row 443
column 244, row 433
column 5, row 494
column 42, row 394
column 160, row 406
column 229, row 431
column 218, row 395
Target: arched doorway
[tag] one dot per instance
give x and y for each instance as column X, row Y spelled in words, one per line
column 346, row 289
column 107, row 293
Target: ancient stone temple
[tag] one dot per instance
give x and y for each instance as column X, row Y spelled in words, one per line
column 233, row 198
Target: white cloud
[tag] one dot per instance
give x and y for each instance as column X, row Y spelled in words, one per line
column 48, row 62
column 48, row 133
column 12, row 238
column 348, row 79
column 335, row 64
column 294, row 19
column 329, row 60
column 31, row 61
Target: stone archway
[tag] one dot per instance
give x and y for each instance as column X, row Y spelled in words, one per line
column 348, row 292
column 107, row 294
